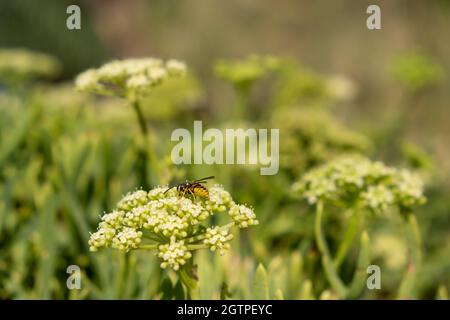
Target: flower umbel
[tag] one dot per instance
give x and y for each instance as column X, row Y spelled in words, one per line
column 357, row 179
column 17, row 65
column 173, row 225
column 242, row 73
column 129, row 78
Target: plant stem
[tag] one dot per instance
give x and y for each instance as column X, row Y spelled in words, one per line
column 141, row 118
column 147, row 150
column 327, row 262
column 359, row 278
column 197, row 246
column 415, row 246
column 122, row 275
column 240, row 109
column 202, row 236
column 349, row 236
column 148, row 246
column 188, row 276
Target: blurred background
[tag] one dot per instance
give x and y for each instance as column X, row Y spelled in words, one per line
column 67, row 157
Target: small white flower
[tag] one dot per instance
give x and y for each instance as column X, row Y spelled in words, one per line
column 131, row 76
column 217, row 239
column 162, row 215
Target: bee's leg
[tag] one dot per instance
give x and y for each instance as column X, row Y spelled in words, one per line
column 193, row 194
column 182, row 192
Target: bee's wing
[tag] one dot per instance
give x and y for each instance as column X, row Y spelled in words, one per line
column 203, row 180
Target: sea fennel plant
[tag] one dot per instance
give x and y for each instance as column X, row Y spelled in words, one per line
column 20, row 66
column 358, row 185
column 132, row 79
column 242, row 74
column 172, row 226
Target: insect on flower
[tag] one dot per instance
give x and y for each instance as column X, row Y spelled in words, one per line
column 195, row 188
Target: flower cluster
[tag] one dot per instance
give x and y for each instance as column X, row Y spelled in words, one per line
column 311, row 137
column 129, row 77
column 217, row 239
column 242, row 73
column 173, row 254
column 298, row 85
column 18, row 65
column 356, row 179
column 416, row 71
column 174, row 226
column 243, row 216
column 391, row 248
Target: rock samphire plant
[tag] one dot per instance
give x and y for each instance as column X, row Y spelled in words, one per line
column 358, row 185
column 19, row 66
column 242, row 74
column 171, row 225
column 132, row 79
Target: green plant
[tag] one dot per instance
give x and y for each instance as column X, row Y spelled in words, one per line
column 132, row 79
column 242, row 74
column 311, row 136
column 171, row 225
column 19, row 66
column 416, row 71
column 356, row 185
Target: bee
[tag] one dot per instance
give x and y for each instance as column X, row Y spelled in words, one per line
column 194, row 188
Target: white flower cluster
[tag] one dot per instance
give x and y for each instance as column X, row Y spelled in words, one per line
column 173, row 254
column 245, row 71
column 243, row 216
column 169, row 222
column 311, row 136
column 217, row 239
column 128, row 77
column 127, row 239
column 355, row 178
column 20, row 64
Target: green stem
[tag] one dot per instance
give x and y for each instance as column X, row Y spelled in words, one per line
column 347, row 241
column 148, row 246
column 147, row 150
column 414, row 238
column 240, row 109
column 359, row 278
column 122, row 275
column 141, row 118
column 327, row 262
column 202, row 236
column 188, row 276
column 196, row 246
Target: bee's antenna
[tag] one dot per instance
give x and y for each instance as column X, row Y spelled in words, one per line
column 168, row 190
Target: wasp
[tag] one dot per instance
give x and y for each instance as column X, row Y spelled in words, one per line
column 195, row 188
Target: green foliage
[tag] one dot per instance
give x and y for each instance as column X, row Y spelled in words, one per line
column 311, row 136
column 66, row 157
column 242, row 74
column 416, row 71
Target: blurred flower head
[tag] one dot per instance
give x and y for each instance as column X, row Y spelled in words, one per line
column 20, row 65
column 243, row 73
column 129, row 78
column 341, row 87
column 310, row 136
column 391, row 249
column 356, row 179
column 416, row 71
column 298, row 85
